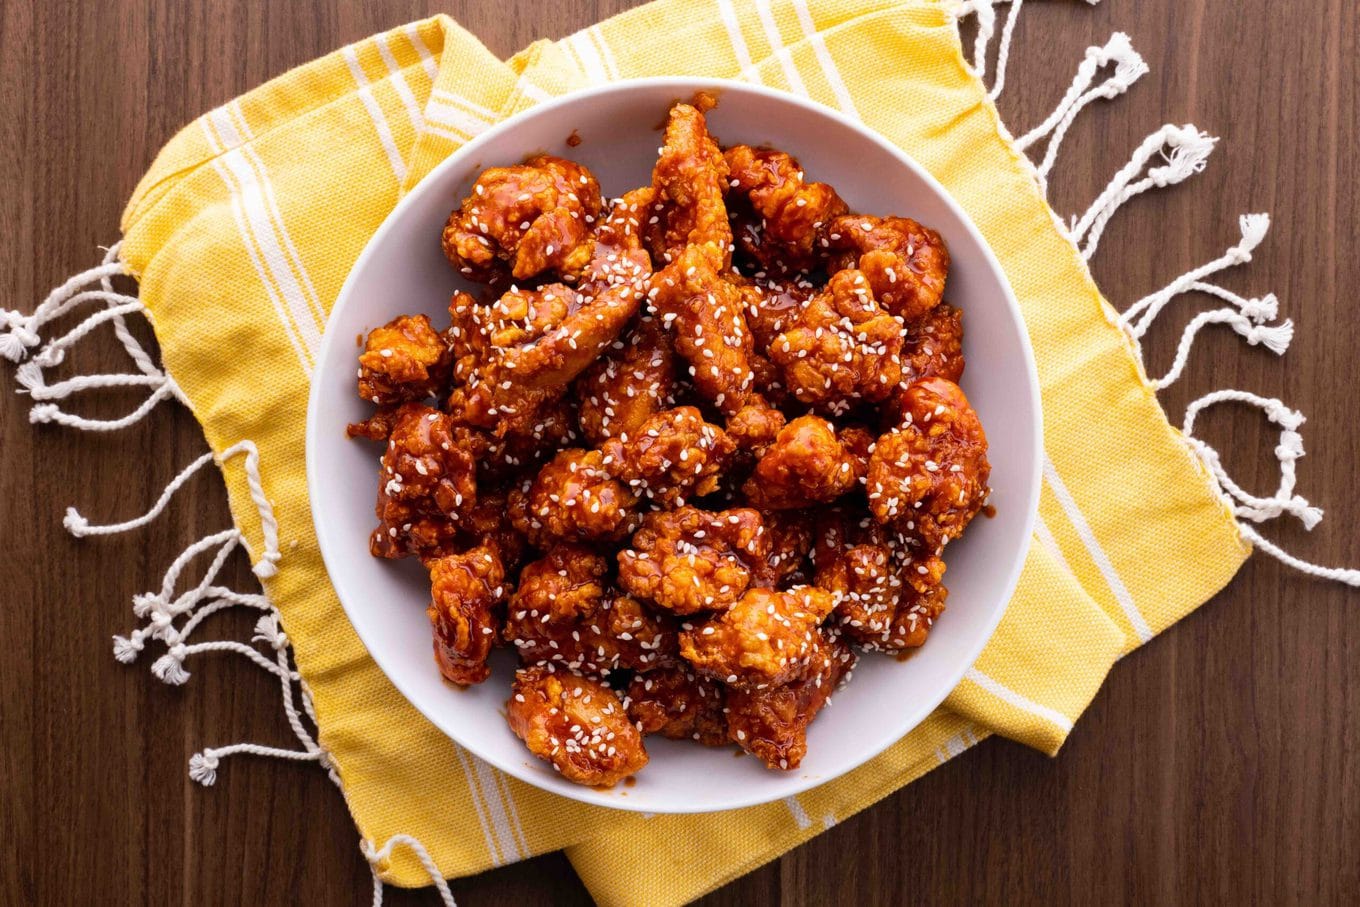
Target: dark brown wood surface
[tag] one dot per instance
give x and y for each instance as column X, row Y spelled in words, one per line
column 1221, row 763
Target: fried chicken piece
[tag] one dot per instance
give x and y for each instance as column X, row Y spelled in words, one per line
column 755, row 426
column 787, row 216
column 548, row 336
column 619, row 255
column 565, row 612
column 403, row 360
column 929, row 476
column 429, row 475
column 771, row 724
column 883, row 603
column 529, row 218
column 565, row 584
column 631, row 382
column 415, row 535
column 377, row 427
column 791, row 538
column 676, row 703
column 643, row 639
column 689, row 560
column 539, row 340
column 488, row 524
column 465, row 593
column 559, row 595
column 905, row 263
column 841, row 346
column 690, row 178
column 467, row 335
column 806, row 464
column 672, row 456
column 767, row 380
column 770, row 303
column 845, row 525
column 574, row 497
column 934, row 346
column 858, row 442
column 525, row 447
column 765, row 639
column 704, row 313
column 576, row 724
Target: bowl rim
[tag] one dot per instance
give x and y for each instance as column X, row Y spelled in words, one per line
column 683, row 86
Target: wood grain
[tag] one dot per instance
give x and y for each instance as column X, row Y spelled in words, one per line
column 1221, row 763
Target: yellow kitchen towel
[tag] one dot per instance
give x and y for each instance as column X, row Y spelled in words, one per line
column 248, row 222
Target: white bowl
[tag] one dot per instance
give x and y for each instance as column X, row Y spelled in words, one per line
column 403, row 270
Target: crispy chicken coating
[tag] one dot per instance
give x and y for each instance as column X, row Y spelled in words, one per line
column 677, row 703
column 806, row 464
column 690, row 178
column 467, row 335
column 487, row 523
column 429, row 475
column 791, row 537
column 466, row 591
column 403, row 360
column 840, row 347
column 576, row 724
column 882, row 602
column 929, row 476
column 618, row 254
column 905, row 263
column 768, row 382
column 689, row 560
column 848, row 524
column 642, row 638
column 672, row 456
column 705, row 315
column 418, row 534
column 548, row 336
column 524, row 447
column 564, row 612
column 771, row 724
column 843, row 526
column 564, row 585
column 770, row 304
column 934, row 345
column 787, row 216
column 539, row 340
column 755, row 426
column 631, row 382
column 528, row 218
column 377, row 427
column 765, row 639
column 574, row 497
column 498, row 457
column 858, row 442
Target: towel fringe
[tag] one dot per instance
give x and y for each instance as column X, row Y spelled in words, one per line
column 986, row 28
column 1184, row 151
column 1139, row 316
column 1274, row 337
column 1129, row 68
column 166, row 616
column 379, row 857
column 1250, row 508
column 22, row 333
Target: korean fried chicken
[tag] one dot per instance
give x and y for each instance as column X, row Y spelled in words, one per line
column 680, row 453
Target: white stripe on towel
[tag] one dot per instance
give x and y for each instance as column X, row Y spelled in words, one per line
column 1098, row 555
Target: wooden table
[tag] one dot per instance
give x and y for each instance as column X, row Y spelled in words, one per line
column 1220, row 763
